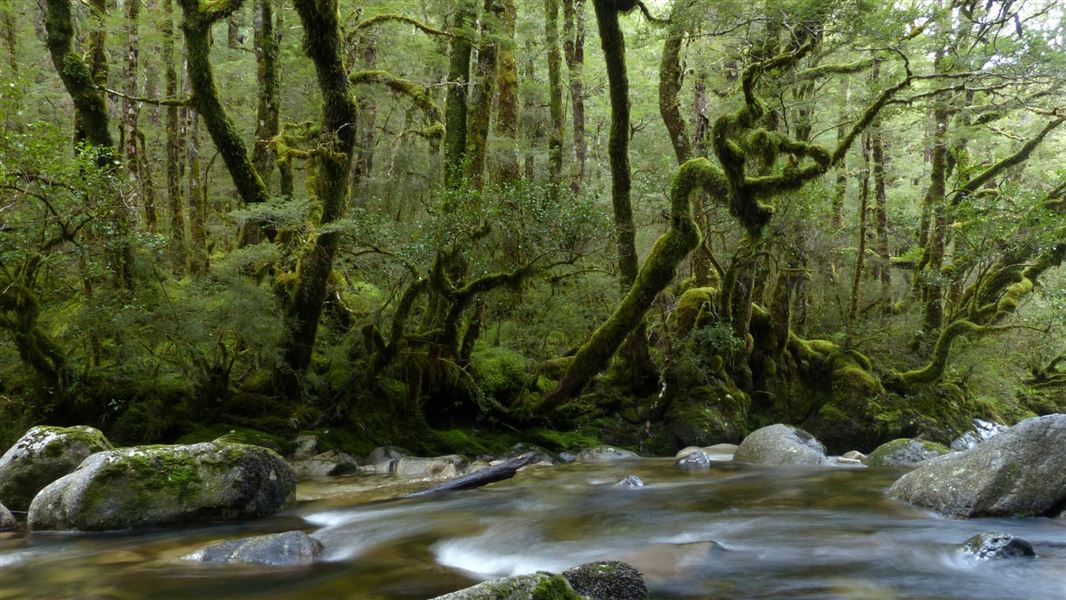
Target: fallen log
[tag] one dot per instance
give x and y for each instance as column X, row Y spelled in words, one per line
column 500, row 472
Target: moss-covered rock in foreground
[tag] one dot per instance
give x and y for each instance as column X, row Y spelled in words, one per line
column 161, row 485
column 592, row 581
column 41, row 456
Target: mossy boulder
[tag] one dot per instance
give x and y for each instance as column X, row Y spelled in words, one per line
column 150, row 486
column 706, row 415
column 993, row 546
column 289, row 549
column 905, row 452
column 606, row 580
column 499, row 372
column 781, row 445
column 536, row 586
column 41, row 456
column 1020, row 472
column 605, row 454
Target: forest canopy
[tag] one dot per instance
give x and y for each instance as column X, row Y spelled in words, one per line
column 456, row 224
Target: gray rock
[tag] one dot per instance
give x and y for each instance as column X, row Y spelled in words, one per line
column 781, row 445
column 567, row 457
column 289, row 549
column 848, row 461
column 7, row 520
column 1021, row 471
column 905, row 452
column 721, row 449
column 41, row 456
column 161, row 485
column 694, row 460
column 537, row 586
column 989, row 546
column 854, row 455
column 605, row 454
column 326, row 464
column 630, row 482
column 539, row 454
column 440, row 467
column 306, row 446
column 607, row 581
column 385, row 455
column 682, row 453
column 982, row 431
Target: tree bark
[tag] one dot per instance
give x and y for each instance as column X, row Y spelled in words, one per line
column 173, row 150
column 555, row 95
column 574, row 51
column 267, row 40
column 455, row 103
column 483, row 93
column 507, row 101
column 860, row 257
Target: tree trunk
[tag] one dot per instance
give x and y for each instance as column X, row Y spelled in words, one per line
column 884, row 270
column 507, row 102
column 932, row 287
column 455, row 104
column 267, row 40
column 483, row 93
column 10, row 36
column 860, row 258
column 555, row 95
column 574, row 51
column 322, row 42
column 80, row 79
column 198, row 258
column 173, row 132
column 840, row 190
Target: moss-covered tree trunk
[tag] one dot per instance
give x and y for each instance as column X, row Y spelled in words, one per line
column 636, row 360
column 483, row 93
column 574, row 52
column 197, row 255
column 455, row 103
column 860, row 254
column 79, row 78
column 884, row 267
column 10, row 36
column 322, row 43
column 267, row 40
column 131, row 110
column 555, row 95
column 174, row 143
column 199, row 18
column 507, row 99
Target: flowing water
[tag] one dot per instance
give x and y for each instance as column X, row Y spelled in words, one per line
column 731, row 531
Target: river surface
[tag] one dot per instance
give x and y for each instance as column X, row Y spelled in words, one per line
column 731, row 531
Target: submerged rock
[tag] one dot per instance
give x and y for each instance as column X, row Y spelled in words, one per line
column 604, row 454
column 905, row 452
column 1020, row 472
column 7, row 520
column 160, row 485
column 982, row 431
column 41, row 456
column 631, row 482
column 694, row 460
column 781, row 445
column 592, row 581
column 326, row 464
column 289, row 549
column 989, row 546
column 610, row 580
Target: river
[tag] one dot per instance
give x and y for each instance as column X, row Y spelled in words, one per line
column 731, row 531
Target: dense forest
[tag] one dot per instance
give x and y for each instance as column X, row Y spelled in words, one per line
column 454, row 225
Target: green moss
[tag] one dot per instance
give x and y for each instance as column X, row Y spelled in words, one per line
column 564, row 441
column 498, row 372
column 245, row 435
column 554, row 587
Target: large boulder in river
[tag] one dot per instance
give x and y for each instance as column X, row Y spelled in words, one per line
column 160, row 485
column 1021, row 471
column 41, row 456
column 289, row 549
column 7, row 520
column 781, row 445
column 325, row 464
column 904, row 452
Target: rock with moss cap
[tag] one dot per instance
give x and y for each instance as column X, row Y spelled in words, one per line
column 289, row 549
column 609, row 580
column 161, row 485
column 605, row 454
column 537, row 586
column 777, row 445
column 7, row 520
column 905, row 452
column 994, row 546
column 41, row 456
column 1020, row 472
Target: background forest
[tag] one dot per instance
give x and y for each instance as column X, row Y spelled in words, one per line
column 452, row 225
